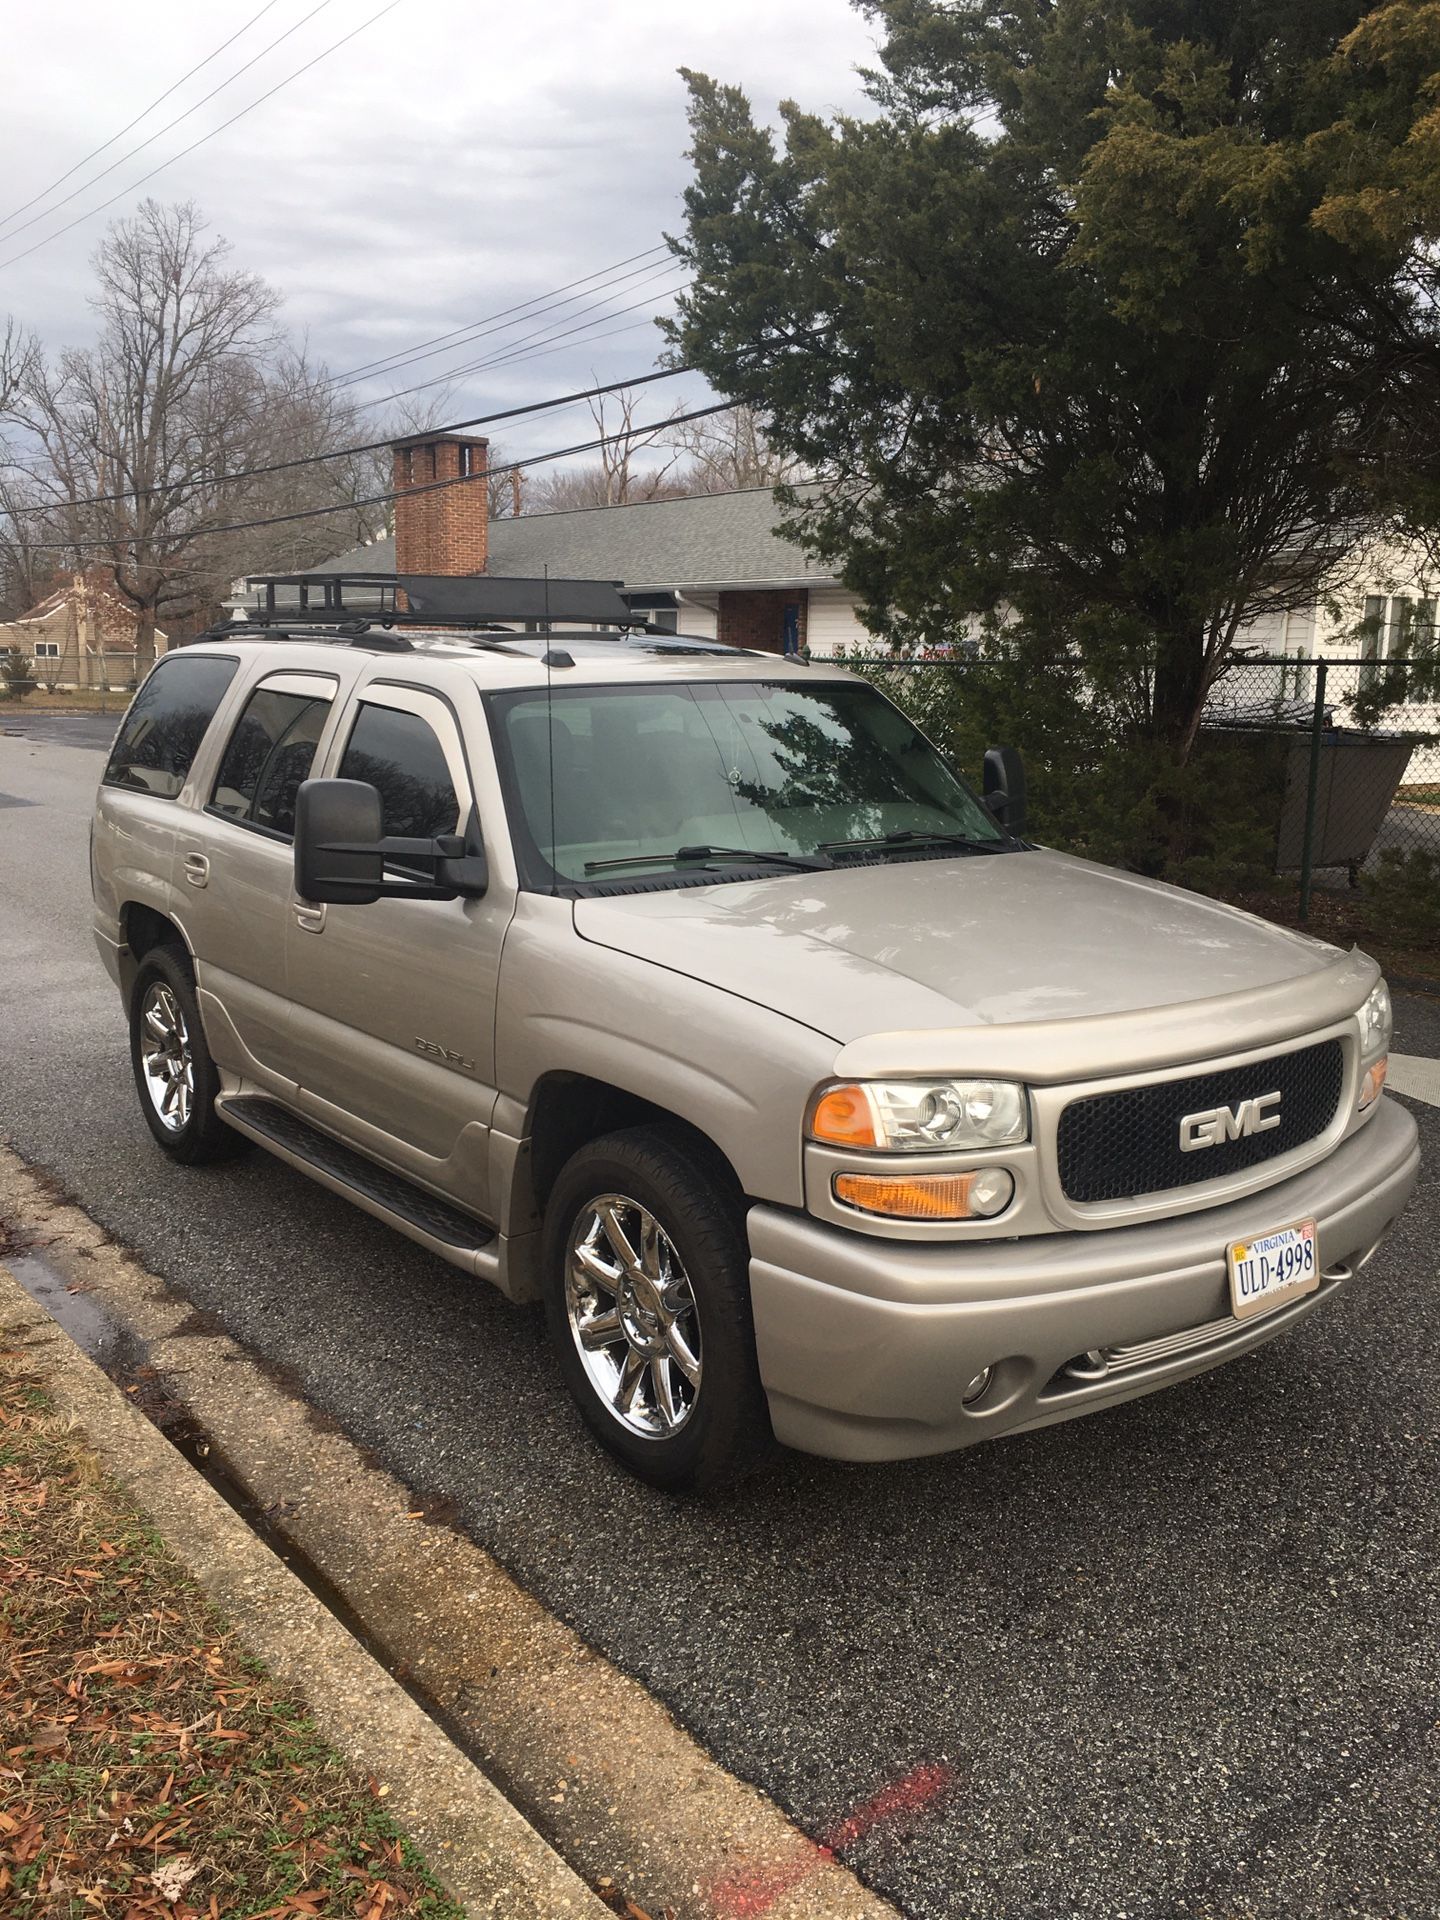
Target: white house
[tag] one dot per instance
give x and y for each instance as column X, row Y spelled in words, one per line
column 1379, row 604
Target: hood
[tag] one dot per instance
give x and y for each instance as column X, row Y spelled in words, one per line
column 985, row 940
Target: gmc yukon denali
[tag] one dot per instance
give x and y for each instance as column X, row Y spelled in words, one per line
column 690, row 991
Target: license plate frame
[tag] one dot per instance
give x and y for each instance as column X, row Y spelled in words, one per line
column 1273, row 1269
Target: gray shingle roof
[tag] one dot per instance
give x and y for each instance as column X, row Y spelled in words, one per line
column 709, row 540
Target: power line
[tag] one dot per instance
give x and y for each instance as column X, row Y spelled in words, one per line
column 184, row 152
column 345, row 453
column 405, row 354
column 384, row 499
column 150, row 139
column 513, row 351
column 540, row 353
column 551, row 314
column 159, row 99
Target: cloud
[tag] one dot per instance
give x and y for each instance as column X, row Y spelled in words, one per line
column 451, row 161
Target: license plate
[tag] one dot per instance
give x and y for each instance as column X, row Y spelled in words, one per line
column 1277, row 1267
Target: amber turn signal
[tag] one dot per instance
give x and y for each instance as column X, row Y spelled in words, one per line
column 842, row 1118
column 1372, row 1085
column 928, row 1196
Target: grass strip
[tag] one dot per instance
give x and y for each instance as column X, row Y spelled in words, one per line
column 149, row 1768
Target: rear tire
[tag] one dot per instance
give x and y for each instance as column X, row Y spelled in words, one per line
column 646, row 1280
column 175, row 1075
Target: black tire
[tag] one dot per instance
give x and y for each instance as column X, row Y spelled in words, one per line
column 725, row 1432
column 163, row 983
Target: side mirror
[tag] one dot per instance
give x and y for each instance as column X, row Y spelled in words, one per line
column 1004, row 788
column 341, row 851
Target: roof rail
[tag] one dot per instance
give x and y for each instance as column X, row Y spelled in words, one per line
column 347, row 633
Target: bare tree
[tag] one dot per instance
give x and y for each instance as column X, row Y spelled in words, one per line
column 190, row 385
column 507, row 492
column 730, row 451
column 618, row 475
column 18, row 353
column 27, row 566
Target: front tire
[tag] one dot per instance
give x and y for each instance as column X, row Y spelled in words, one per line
column 174, row 1074
column 648, row 1302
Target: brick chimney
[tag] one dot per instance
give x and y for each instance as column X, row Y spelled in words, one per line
column 446, row 529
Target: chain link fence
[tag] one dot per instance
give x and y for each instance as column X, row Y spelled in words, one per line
column 1312, row 789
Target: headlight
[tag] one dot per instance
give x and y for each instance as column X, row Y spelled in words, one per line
column 1376, row 1022
column 921, row 1116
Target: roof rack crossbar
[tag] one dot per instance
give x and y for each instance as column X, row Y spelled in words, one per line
column 470, row 600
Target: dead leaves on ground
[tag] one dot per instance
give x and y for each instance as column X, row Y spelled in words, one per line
column 148, row 1769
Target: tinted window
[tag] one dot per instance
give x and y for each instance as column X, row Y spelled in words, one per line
column 269, row 754
column 400, row 754
column 161, row 733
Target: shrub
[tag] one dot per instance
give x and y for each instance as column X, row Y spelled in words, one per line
column 1403, row 890
column 15, row 681
column 1098, row 787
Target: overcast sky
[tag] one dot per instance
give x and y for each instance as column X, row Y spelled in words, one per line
column 450, row 161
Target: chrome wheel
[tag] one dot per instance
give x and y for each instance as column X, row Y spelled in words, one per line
column 166, row 1057
column 633, row 1316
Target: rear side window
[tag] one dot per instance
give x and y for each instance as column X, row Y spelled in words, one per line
column 401, row 755
column 270, row 752
column 168, row 718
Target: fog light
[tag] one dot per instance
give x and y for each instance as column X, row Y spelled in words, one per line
column 976, row 1387
column 1372, row 1085
column 927, row 1196
column 991, row 1192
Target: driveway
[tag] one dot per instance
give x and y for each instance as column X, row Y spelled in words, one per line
column 94, row 730
column 1181, row 1656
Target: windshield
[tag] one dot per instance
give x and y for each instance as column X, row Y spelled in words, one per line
column 652, row 777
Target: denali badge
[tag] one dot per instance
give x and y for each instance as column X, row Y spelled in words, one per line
column 444, row 1055
column 1215, row 1124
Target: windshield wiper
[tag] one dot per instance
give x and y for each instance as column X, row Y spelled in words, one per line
column 755, row 855
column 908, row 838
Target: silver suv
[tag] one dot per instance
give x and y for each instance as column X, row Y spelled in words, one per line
column 690, row 991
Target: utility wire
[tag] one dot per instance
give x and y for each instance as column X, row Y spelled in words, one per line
column 405, row 354
column 151, row 138
column 346, row 453
column 384, row 499
column 125, row 192
column 539, row 353
column 159, row 100
column 550, row 315
column 512, row 352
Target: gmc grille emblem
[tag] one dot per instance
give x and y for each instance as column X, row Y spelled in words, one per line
column 1216, row 1124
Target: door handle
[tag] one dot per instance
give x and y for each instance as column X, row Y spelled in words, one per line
column 197, row 869
column 309, row 919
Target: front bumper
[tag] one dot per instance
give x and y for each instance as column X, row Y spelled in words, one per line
column 865, row 1345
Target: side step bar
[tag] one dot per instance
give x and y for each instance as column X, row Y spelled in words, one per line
column 456, row 1236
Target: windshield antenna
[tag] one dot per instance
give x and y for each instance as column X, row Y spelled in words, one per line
column 550, row 733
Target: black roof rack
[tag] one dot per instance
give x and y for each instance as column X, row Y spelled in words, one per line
column 431, row 600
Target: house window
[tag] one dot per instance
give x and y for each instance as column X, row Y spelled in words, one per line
column 47, row 649
column 1399, row 627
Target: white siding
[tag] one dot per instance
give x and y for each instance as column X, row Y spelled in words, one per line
column 697, row 619
column 832, row 625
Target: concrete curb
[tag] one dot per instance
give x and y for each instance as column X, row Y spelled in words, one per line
column 584, row 1752
column 489, row 1858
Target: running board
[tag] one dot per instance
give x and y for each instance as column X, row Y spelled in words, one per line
column 456, row 1236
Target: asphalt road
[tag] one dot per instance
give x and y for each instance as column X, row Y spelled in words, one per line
column 1181, row 1656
